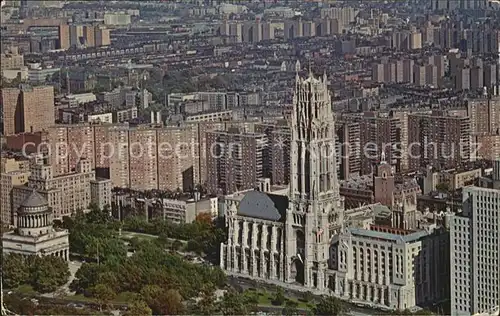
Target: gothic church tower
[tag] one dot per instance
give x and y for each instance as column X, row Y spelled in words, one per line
column 316, row 209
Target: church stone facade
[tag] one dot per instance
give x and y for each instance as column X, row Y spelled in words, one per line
column 305, row 238
column 287, row 238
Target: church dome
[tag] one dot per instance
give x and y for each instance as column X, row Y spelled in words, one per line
column 34, row 217
column 34, row 203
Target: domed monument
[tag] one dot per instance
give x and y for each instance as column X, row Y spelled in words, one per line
column 35, row 234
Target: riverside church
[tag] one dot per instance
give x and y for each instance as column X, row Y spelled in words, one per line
column 305, row 239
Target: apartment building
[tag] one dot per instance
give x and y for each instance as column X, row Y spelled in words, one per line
column 13, row 174
column 11, row 59
column 453, row 179
column 100, row 192
column 439, row 140
column 349, row 138
column 484, row 115
column 379, row 133
column 475, row 253
column 87, row 36
column 65, row 193
column 27, row 109
column 177, row 154
column 234, row 160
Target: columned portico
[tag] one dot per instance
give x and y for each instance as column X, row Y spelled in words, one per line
column 35, row 234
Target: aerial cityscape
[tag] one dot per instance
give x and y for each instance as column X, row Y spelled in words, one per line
column 261, row 157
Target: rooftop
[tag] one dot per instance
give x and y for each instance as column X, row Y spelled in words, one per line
column 34, row 200
column 262, row 205
column 388, row 236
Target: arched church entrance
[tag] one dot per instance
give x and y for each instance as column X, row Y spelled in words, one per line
column 297, row 271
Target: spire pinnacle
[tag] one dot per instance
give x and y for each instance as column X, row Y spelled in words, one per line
column 382, row 157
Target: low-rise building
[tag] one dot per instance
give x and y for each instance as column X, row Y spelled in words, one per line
column 35, row 234
column 396, row 268
column 451, row 179
column 179, row 210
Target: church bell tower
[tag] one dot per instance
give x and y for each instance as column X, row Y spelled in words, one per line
column 316, row 209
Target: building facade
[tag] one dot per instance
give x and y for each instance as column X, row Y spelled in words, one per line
column 475, row 253
column 35, row 234
column 65, row 193
column 305, row 238
column 287, row 238
column 28, row 109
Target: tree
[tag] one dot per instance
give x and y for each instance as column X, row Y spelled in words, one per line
column 163, row 302
column 16, row 271
column 308, row 296
column 204, row 218
column 290, row 308
column 176, row 245
column 174, row 303
column 48, row 273
column 139, row 307
column 104, row 294
column 86, row 277
column 206, row 303
column 443, row 187
column 194, row 246
column 329, row 306
column 232, row 303
column 279, row 297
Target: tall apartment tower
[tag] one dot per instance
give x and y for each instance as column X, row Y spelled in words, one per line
column 234, row 160
column 484, row 114
column 350, row 148
column 439, row 139
column 377, row 133
column 496, row 173
column 27, row 109
column 316, row 209
column 475, row 253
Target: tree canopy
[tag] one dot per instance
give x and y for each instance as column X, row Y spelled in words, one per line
column 45, row 274
column 329, row 306
column 162, row 279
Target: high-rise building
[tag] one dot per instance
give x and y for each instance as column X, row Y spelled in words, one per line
column 419, row 75
column 475, row 253
column 64, row 36
column 64, row 193
column 143, row 158
column 438, row 139
column 379, row 133
column 234, row 160
column 177, row 167
column 102, row 37
column 27, row 109
column 349, row 137
column 10, row 178
column 484, row 113
column 89, row 35
column 462, row 78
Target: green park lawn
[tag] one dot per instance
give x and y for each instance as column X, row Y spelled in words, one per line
column 266, row 299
